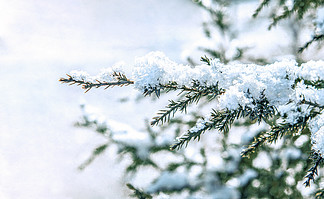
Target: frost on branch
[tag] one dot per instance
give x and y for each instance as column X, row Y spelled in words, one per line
column 287, row 96
column 241, row 90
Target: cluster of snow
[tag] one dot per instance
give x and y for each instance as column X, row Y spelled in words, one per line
column 91, row 115
column 317, row 137
column 243, row 82
column 150, row 70
column 312, row 70
column 132, row 138
column 217, row 190
column 200, row 124
column 169, row 181
column 247, row 176
column 106, row 74
column 291, row 153
column 242, row 180
column 294, row 109
column 262, row 161
column 80, row 75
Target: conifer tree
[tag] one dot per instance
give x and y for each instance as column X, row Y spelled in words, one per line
column 263, row 135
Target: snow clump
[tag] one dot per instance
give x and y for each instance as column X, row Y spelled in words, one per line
column 243, row 83
column 169, row 181
column 79, row 75
column 317, row 137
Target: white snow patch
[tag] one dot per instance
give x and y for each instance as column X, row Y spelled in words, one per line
column 168, row 181
column 317, row 137
column 242, row 180
column 301, row 140
column 262, row 161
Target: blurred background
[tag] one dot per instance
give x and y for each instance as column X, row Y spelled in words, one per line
column 41, row 41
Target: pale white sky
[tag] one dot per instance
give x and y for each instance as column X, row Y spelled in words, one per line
column 71, row 30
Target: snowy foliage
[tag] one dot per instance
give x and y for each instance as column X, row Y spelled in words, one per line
column 209, row 168
column 284, row 88
column 317, row 129
column 244, row 83
column 210, row 172
column 280, row 104
column 106, row 75
column 246, row 86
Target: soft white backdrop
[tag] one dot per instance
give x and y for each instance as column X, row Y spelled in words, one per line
column 40, row 41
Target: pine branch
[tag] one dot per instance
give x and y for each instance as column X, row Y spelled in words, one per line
column 313, row 104
column 217, row 15
column 299, row 8
column 172, row 108
column 319, row 194
column 137, row 163
column 260, row 7
column 193, row 96
column 262, row 109
column 171, row 86
column 121, row 80
column 315, row 38
column 222, row 120
column 287, row 13
column 138, row 193
column 219, row 54
column 219, row 120
column 96, row 152
column 206, row 60
column 313, row 171
column 148, row 90
column 318, row 84
column 258, row 141
column 196, row 87
column 280, row 130
column 275, row 133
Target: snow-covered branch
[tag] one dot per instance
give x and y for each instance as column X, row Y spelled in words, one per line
column 286, row 95
column 259, row 92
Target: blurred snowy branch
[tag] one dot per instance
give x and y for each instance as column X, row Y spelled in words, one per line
column 282, row 102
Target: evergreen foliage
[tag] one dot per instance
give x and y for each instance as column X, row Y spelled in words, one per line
column 249, row 180
column 270, row 132
column 120, row 80
column 284, row 9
